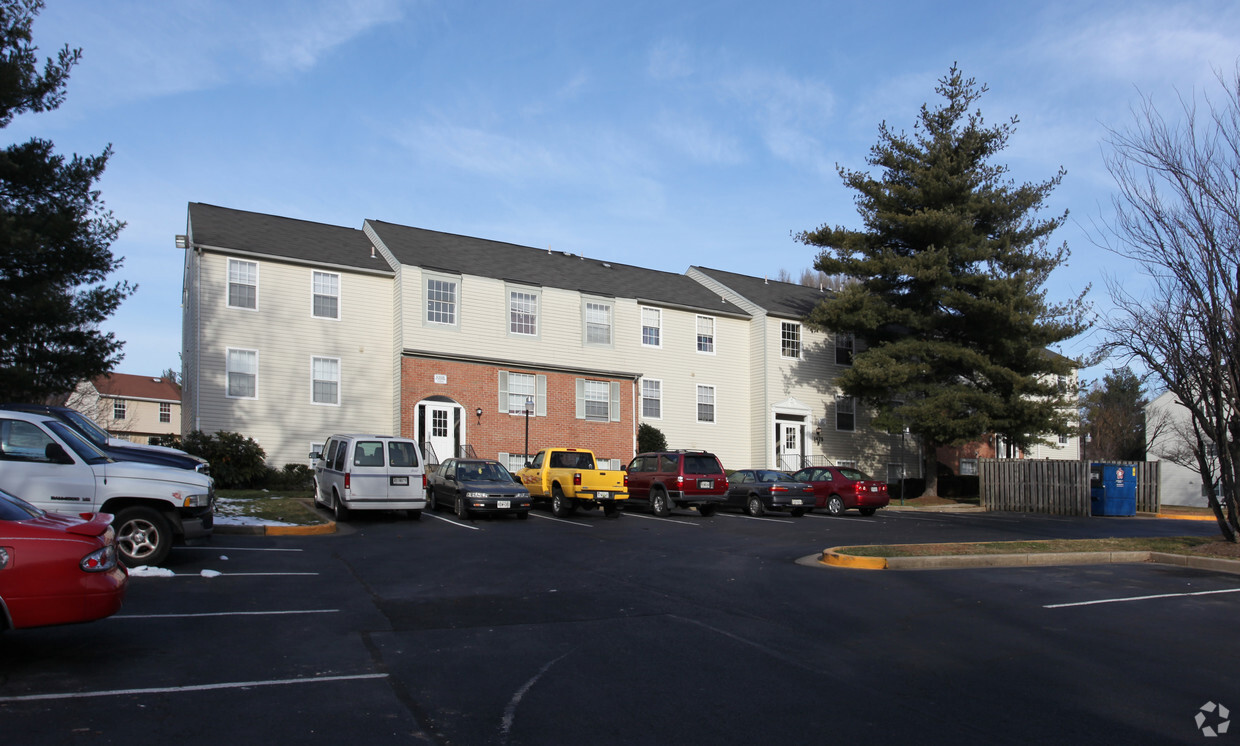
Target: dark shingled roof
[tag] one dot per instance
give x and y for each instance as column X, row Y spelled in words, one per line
column 776, row 298
column 297, row 240
column 504, row 261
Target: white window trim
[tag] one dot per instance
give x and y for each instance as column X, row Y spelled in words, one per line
column 610, row 305
column 613, row 400
column 641, row 317
column 228, row 371
column 527, row 290
column 165, row 408
column 426, row 294
column 339, row 300
column 853, row 403
column 714, row 335
column 540, row 394
column 714, row 403
column 642, row 392
column 228, row 284
column 800, row 344
column 339, row 382
column 119, row 407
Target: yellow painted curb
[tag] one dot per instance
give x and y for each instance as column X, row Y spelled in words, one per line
column 1180, row 517
column 314, row 530
column 835, row 559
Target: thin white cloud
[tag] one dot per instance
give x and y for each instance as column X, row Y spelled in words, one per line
column 699, row 140
column 670, row 59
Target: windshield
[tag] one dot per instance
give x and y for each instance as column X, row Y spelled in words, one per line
column 88, row 428
column 482, row 472
column 80, row 445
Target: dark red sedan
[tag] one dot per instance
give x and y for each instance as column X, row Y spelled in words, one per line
column 56, row 568
column 838, row 488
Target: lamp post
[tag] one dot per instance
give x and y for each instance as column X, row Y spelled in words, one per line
column 529, row 408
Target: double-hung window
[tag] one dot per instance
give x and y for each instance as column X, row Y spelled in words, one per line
column 790, row 340
column 706, row 334
column 165, row 412
column 652, row 327
column 705, row 403
column 326, row 292
column 843, row 349
column 598, row 400
column 523, row 312
column 242, row 374
column 515, row 389
column 442, row 297
column 652, row 399
column 242, row 284
column 118, row 409
column 845, row 413
column 597, row 317
column 325, row 380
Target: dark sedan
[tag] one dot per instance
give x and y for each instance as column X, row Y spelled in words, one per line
column 471, row 486
column 838, row 488
column 758, row 490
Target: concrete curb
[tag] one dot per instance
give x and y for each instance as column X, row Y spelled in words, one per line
column 314, row 529
column 834, row 558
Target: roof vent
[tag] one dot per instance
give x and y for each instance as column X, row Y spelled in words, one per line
column 372, row 252
column 605, row 264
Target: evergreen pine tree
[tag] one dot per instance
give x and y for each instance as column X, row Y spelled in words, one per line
column 948, row 304
column 55, row 234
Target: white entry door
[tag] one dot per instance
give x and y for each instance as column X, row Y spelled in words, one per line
column 440, row 430
column 790, row 446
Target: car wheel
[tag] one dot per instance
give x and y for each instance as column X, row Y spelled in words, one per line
column 462, row 510
column 754, row 506
column 143, row 536
column 659, row 504
column 706, row 510
column 835, row 505
column 559, row 503
column 866, row 511
column 798, row 512
column 339, row 508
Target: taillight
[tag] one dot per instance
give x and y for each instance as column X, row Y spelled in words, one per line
column 680, row 482
column 423, row 482
column 346, row 480
column 577, row 479
column 779, row 488
column 626, row 479
column 100, row 560
column 858, row 487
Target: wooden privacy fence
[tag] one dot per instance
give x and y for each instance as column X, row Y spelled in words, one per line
column 1054, row 487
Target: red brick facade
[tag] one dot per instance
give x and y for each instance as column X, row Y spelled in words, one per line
column 476, row 386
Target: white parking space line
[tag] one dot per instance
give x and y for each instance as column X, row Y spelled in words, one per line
column 218, row 548
column 664, row 520
column 1139, row 598
column 454, row 523
column 224, row 613
column 850, row 519
column 540, row 516
column 751, row 518
column 213, row 575
column 194, row 688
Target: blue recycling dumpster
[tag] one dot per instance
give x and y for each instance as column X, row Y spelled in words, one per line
column 1112, row 489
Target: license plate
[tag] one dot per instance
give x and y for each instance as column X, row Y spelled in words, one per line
column 796, row 502
column 400, row 481
column 873, row 488
column 503, row 503
column 706, row 484
column 602, row 495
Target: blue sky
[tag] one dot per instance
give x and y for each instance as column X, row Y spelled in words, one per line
column 652, row 133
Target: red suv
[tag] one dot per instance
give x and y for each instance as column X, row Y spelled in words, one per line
column 682, row 479
column 838, row 488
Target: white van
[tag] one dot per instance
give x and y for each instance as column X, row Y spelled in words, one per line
column 369, row 472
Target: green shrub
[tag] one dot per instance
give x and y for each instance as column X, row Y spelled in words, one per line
column 291, row 477
column 650, row 438
column 237, row 462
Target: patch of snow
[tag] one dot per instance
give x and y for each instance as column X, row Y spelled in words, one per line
column 146, row 571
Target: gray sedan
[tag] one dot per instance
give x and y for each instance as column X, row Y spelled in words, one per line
column 758, row 490
column 470, row 486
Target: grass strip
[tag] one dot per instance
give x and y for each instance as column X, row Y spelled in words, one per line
column 283, row 507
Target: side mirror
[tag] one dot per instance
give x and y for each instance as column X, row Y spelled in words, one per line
column 56, row 453
column 315, row 456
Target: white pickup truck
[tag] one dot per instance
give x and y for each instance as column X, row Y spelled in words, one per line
column 48, row 463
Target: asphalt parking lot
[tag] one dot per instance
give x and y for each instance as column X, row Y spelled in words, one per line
column 636, row 630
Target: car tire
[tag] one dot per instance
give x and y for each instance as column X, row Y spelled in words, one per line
column 835, row 505
column 340, row 510
column 559, row 503
column 706, row 510
column 798, row 512
column 462, row 510
column 659, row 504
column 143, row 536
column 754, row 506
column 866, row 511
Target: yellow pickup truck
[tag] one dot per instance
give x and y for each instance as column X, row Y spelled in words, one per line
column 568, row 478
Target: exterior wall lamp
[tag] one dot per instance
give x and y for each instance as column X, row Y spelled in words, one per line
column 478, row 414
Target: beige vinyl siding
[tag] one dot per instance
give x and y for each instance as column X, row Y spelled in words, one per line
column 282, row 419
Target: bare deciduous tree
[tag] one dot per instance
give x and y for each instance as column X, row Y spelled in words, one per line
column 1177, row 213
